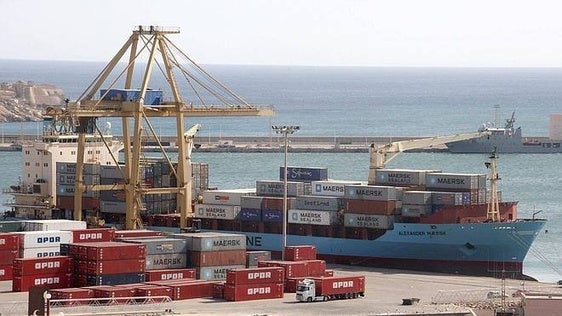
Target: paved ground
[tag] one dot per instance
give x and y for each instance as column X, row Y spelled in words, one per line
column 384, row 293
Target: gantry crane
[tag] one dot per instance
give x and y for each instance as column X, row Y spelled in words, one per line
column 162, row 53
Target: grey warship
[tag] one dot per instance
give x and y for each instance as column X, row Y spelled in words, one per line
column 505, row 140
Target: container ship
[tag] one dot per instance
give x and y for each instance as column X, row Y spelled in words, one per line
column 507, row 140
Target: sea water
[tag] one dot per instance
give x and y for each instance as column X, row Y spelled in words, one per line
column 332, row 101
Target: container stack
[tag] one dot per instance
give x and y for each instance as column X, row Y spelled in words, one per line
column 40, row 244
column 211, row 254
column 253, row 257
column 254, row 284
column 417, row 203
column 469, row 188
column 107, row 263
column 9, row 250
column 53, row 272
column 162, row 253
column 315, row 211
column 220, row 208
column 66, row 176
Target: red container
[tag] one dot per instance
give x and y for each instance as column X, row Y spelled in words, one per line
column 6, row 273
column 112, row 266
column 7, row 257
column 9, row 241
column 293, row 269
column 218, row 290
column 328, row 273
column 298, row 253
column 114, row 291
column 48, row 265
column 72, row 293
column 370, row 207
column 93, row 235
column 217, row 258
column 249, row 292
column 137, row 233
column 170, row 274
column 113, row 251
column 192, row 289
column 275, row 203
column 265, row 275
column 339, row 285
column 154, row 290
column 51, row 281
column 171, row 282
column 291, row 284
column 316, row 268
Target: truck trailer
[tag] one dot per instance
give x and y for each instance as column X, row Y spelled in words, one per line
column 330, row 288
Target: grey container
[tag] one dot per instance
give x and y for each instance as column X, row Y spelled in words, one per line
column 417, row 197
column 160, row 246
column 10, row 226
column 252, row 257
column 216, row 272
column 416, row 210
column 368, row 221
column 401, row 177
column 452, row 181
column 319, row 203
column 254, row 202
column 372, row 192
column 166, row 261
column 70, row 168
column 447, row 198
column 276, row 188
column 210, row 241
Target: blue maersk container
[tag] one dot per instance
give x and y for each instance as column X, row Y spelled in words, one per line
column 152, row 97
column 304, row 174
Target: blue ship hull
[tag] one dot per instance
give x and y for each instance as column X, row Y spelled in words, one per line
column 471, row 249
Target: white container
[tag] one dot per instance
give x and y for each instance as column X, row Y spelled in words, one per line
column 42, row 239
column 53, row 224
column 401, row 177
column 369, row 221
column 331, row 187
column 40, row 252
column 276, row 188
column 453, row 181
column 226, row 197
column 322, row 218
column 372, row 192
column 210, row 241
column 216, row 211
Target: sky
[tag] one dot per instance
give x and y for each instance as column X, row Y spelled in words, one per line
column 450, row 33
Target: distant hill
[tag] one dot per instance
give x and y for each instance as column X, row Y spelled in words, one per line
column 26, row 101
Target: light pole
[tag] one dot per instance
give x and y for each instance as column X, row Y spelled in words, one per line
column 285, row 130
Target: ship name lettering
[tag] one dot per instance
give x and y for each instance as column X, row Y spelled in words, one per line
column 436, row 233
column 253, row 241
column 407, row 233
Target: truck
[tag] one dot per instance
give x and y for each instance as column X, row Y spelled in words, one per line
column 330, row 288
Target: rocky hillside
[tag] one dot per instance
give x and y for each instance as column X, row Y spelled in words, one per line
column 26, row 101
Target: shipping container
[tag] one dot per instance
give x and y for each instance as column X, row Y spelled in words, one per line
column 87, row 179
column 252, row 257
column 226, row 197
column 154, row 290
column 339, row 285
column 7, row 256
column 300, row 253
column 276, row 203
column 417, row 197
column 42, row 239
column 51, row 281
column 401, row 177
column 319, row 203
column 290, row 285
column 217, row 258
column 93, row 234
column 192, row 289
column 218, row 290
column 10, row 226
column 416, row 210
column 72, row 293
column 303, row 174
column 6, row 272
column 114, row 291
column 104, row 267
column 316, row 268
column 211, row 241
column 170, row 274
column 250, row 215
column 166, row 261
column 215, row 273
column 114, row 279
column 277, row 188
column 371, row 192
column 49, row 265
column 371, row 207
column 68, row 190
column 160, row 245
column 112, row 251
column 324, row 218
column 248, row 292
column 331, row 187
column 53, row 224
column 264, row 275
column 112, row 196
column 447, row 198
column 293, row 269
column 9, row 241
column 39, row 252
column 138, row 233
column 70, row 168
column 368, row 221
column 151, row 97
column 228, row 212
column 272, row 216
column 112, row 207
column 452, row 181
column 251, row 202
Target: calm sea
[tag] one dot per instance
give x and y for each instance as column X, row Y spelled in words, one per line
column 327, row 101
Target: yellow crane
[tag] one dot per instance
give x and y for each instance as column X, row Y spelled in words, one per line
column 151, row 42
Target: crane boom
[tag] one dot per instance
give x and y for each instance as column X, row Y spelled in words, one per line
column 381, row 155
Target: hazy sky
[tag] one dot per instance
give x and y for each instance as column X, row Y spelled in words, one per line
column 295, row 32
